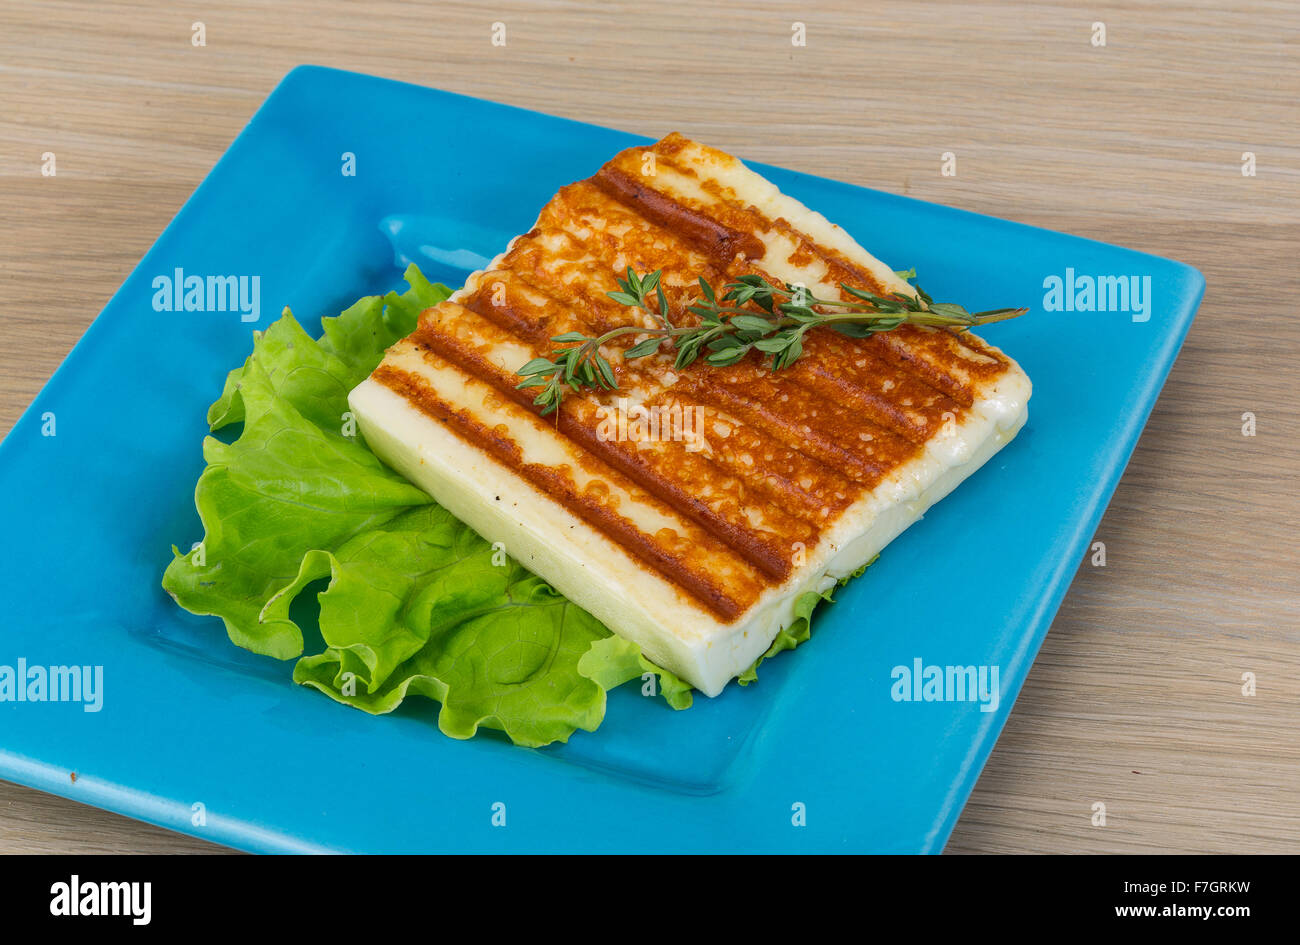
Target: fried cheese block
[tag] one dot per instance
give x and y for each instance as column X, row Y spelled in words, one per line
column 689, row 509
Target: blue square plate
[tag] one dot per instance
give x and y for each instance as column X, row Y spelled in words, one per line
column 198, row 736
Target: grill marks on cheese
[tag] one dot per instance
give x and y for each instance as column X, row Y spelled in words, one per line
column 784, row 453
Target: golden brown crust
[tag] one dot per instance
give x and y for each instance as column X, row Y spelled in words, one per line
column 786, row 452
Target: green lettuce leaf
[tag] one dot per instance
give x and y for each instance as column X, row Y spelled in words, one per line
column 614, row 661
column 800, row 628
column 425, row 606
column 292, row 482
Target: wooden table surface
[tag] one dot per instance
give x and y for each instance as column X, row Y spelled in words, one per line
column 1136, row 698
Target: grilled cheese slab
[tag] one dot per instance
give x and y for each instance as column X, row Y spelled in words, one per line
column 695, row 542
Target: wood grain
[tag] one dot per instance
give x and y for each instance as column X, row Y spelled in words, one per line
column 1135, row 700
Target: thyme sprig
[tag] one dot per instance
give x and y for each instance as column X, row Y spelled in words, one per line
column 751, row 314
